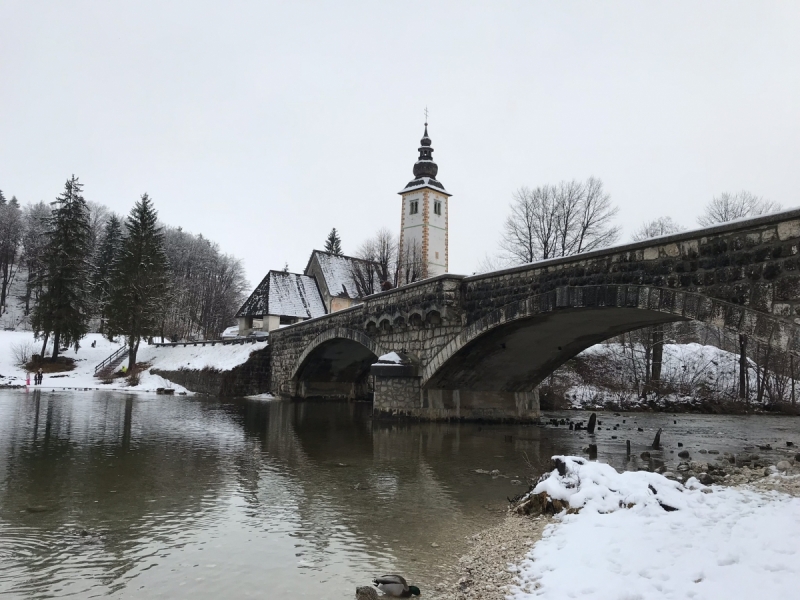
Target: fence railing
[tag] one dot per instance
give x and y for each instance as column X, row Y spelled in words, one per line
column 232, row 342
column 110, row 360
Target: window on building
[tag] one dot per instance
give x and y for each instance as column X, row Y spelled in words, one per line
column 413, row 207
column 437, row 207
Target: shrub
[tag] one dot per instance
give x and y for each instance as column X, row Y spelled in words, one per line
column 22, row 353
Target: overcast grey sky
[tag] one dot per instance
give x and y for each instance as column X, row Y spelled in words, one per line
column 262, row 125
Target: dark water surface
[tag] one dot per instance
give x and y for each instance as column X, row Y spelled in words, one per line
column 139, row 496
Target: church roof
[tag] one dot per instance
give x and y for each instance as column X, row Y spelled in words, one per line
column 337, row 271
column 284, row 294
column 424, row 182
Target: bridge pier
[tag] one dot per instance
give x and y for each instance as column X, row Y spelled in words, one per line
column 404, row 397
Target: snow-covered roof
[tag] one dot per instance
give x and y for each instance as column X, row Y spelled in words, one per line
column 337, row 270
column 424, row 182
column 286, row 295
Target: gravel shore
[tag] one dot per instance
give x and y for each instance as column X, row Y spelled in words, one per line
column 484, row 571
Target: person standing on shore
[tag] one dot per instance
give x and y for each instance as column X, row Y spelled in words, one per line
column 39, row 377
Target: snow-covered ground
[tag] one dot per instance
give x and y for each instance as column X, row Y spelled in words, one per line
column 167, row 358
column 690, row 371
column 639, row 535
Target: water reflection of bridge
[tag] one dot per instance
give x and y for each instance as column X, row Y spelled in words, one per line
column 132, row 470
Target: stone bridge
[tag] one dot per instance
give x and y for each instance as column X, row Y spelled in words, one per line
column 478, row 346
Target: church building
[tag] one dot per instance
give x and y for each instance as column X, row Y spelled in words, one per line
column 328, row 282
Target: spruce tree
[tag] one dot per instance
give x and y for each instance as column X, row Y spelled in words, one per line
column 333, row 243
column 64, row 306
column 108, row 253
column 139, row 280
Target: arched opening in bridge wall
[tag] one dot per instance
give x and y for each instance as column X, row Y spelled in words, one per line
column 511, row 350
column 335, row 368
column 516, row 356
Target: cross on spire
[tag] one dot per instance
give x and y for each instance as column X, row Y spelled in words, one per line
column 426, row 115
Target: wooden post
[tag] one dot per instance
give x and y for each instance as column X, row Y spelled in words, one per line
column 742, row 366
column 791, row 374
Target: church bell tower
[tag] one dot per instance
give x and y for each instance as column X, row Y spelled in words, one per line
column 423, row 225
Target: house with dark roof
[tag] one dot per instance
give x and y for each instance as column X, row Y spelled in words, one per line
column 342, row 280
column 330, row 282
column 280, row 299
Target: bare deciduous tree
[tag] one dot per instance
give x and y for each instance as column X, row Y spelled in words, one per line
column 727, row 207
column 410, row 264
column 554, row 221
column 656, row 228
column 378, row 256
column 206, row 287
column 383, row 264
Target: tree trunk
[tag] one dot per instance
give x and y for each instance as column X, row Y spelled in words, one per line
column 133, row 350
column 56, row 343
column 4, row 287
column 742, row 366
column 764, row 373
column 648, row 352
column 658, row 354
column 44, row 345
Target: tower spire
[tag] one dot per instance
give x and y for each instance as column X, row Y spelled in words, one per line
column 425, row 167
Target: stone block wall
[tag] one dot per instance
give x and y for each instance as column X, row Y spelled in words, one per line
column 420, row 318
column 249, row 378
column 753, row 263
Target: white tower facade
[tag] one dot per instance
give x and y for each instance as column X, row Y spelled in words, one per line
column 423, row 225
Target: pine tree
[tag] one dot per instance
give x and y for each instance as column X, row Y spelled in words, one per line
column 333, row 243
column 107, row 255
column 139, row 280
column 64, row 306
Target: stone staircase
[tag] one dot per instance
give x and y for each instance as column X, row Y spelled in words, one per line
column 110, row 364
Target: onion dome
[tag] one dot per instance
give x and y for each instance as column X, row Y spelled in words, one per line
column 425, row 167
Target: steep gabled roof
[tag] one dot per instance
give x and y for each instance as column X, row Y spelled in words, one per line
column 284, row 294
column 337, row 270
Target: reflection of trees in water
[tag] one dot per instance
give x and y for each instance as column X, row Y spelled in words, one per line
column 162, row 469
column 98, row 477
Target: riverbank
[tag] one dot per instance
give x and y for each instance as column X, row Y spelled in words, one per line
column 155, row 360
column 643, row 533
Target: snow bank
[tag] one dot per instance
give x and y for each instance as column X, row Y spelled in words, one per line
column 626, row 542
column 220, row 357
column 165, row 358
column 690, row 370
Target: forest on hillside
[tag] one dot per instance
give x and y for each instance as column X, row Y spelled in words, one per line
column 71, row 253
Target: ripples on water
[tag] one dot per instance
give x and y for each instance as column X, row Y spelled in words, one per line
column 108, row 494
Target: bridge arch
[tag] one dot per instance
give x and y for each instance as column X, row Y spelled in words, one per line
column 336, row 364
column 524, row 341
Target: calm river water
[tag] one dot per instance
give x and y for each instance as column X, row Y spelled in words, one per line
column 139, row 496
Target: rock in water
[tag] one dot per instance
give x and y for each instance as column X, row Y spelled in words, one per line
column 683, row 454
column 592, row 451
column 366, row 592
column 784, row 466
